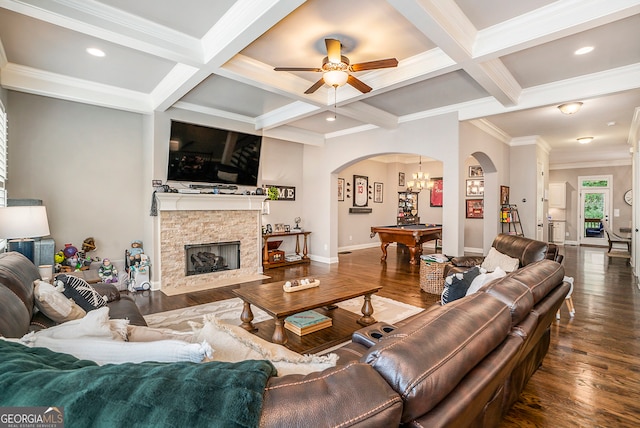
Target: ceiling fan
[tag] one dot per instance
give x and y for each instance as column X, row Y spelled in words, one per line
column 336, row 69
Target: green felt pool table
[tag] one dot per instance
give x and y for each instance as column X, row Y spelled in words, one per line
column 413, row 236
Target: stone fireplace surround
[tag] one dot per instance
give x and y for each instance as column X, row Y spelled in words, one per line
column 185, row 219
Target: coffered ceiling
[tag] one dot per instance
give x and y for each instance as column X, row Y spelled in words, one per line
column 504, row 65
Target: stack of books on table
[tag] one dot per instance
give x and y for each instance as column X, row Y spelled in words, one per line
column 437, row 258
column 306, row 322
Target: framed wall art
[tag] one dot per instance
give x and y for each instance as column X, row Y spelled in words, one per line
column 401, row 179
column 435, row 198
column 360, row 191
column 475, row 171
column 504, row 195
column 475, row 187
column 377, row 192
column 340, row 189
column 475, row 208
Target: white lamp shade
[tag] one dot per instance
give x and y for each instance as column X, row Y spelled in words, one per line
column 23, row 222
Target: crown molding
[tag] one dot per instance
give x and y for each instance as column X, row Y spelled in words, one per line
column 590, row 164
column 21, row 78
column 489, row 128
column 213, row 112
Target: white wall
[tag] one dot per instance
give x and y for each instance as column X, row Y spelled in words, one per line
column 478, row 147
column 322, row 165
column 85, row 163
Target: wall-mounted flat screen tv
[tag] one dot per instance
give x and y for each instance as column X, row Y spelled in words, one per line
column 210, row 155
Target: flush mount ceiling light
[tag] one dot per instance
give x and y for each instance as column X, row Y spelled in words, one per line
column 584, row 50
column 585, row 140
column 96, row 52
column 570, row 108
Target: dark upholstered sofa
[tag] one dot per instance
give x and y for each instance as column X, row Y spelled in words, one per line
column 18, row 314
column 526, row 250
column 458, row 365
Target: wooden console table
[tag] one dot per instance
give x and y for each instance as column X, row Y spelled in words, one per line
column 265, row 250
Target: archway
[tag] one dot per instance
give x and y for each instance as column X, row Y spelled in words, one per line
column 490, row 226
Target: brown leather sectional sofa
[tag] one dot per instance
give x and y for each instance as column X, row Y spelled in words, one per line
column 458, row 365
column 17, row 305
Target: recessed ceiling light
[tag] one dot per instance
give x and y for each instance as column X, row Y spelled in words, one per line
column 585, row 140
column 612, row 123
column 96, row 52
column 584, row 50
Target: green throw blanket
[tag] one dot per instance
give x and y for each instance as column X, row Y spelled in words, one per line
column 213, row 394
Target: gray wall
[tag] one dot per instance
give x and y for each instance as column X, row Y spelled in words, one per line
column 621, row 183
column 83, row 162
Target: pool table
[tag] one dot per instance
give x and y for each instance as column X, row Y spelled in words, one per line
column 412, row 235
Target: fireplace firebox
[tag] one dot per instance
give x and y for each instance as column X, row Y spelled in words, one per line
column 213, row 257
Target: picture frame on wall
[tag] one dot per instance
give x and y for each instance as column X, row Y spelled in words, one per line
column 435, row 197
column 504, row 195
column 475, row 187
column 377, row 192
column 475, row 208
column 360, row 191
column 401, row 179
column 340, row 189
column 475, row 171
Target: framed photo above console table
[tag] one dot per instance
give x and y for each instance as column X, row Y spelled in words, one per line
column 360, row 191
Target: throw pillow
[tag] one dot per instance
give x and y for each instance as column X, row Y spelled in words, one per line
column 484, row 278
column 496, row 259
column 456, row 285
column 105, row 351
column 81, row 292
column 54, row 304
column 95, row 325
column 233, row 344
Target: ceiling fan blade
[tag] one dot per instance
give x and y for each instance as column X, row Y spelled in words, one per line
column 358, row 84
column 297, row 69
column 315, row 87
column 333, row 50
column 372, row 65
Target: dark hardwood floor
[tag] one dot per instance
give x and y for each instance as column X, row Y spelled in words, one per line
column 589, row 378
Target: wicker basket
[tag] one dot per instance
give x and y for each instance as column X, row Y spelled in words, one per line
column 432, row 276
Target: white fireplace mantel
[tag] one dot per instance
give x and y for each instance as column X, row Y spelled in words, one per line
column 208, row 202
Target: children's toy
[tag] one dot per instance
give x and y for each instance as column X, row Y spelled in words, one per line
column 108, row 272
column 137, row 268
column 135, row 252
column 88, row 244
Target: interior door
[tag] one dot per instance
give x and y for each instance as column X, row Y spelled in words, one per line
column 594, row 209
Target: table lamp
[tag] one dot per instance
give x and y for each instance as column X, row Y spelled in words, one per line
column 20, row 225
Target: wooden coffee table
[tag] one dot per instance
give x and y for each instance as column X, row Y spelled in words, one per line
column 272, row 299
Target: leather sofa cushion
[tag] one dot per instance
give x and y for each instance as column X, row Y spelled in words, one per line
column 512, row 293
column 424, row 365
column 350, row 395
column 541, row 277
column 17, row 273
column 125, row 308
column 14, row 316
column 524, row 249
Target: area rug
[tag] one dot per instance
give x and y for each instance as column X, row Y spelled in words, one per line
column 229, row 310
column 220, row 282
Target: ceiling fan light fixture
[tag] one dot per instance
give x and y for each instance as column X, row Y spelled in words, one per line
column 570, row 108
column 335, row 78
column 585, row 140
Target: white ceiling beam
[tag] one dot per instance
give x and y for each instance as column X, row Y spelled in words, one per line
column 244, row 22
column 114, row 25
column 297, row 135
column 552, row 22
column 18, row 77
column 444, row 23
column 368, row 114
column 283, row 115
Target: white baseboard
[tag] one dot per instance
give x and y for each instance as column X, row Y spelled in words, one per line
column 473, row 250
column 358, row 247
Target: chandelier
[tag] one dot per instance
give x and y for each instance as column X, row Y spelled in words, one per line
column 419, row 180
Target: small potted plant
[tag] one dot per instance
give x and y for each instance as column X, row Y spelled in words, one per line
column 272, row 193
